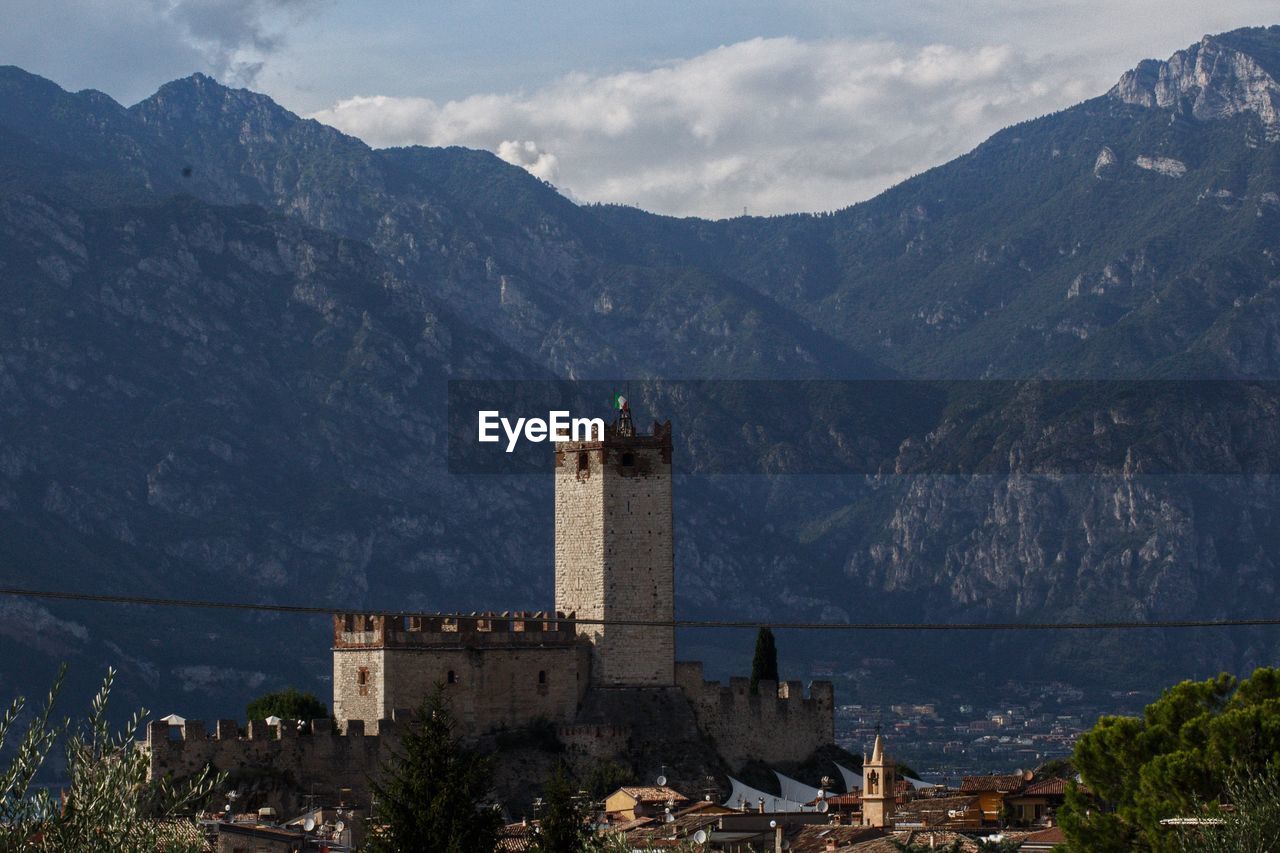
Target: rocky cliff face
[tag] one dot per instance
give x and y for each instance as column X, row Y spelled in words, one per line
column 1214, row 79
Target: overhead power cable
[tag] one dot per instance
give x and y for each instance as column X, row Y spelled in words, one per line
column 101, row 598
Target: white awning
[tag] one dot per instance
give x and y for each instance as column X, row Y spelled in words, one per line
column 852, row 781
column 744, row 796
column 795, row 790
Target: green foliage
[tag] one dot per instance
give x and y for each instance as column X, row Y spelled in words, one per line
column 1252, row 824
column 563, row 825
column 605, row 777
column 288, row 704
column 764, row 667
column 434, row 794
column 109, row 802
column 1057, row 768
column 1171, row 761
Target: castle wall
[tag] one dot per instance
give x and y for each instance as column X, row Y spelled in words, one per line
column 349, row 701
column 614, row 552
column 314, row 758
column 579, row 538
column 779, row 724
column 497, row 671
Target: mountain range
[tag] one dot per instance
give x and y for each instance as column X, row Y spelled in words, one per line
column 226, row 334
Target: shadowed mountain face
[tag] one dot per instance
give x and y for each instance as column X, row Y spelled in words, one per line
column 226, row 332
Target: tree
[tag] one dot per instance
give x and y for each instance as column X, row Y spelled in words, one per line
column 288, row 704
column 1171, row 761
column 1253, row 822
column 434, row 794
column 562, row 822
column 764, row 667
column 108, row 803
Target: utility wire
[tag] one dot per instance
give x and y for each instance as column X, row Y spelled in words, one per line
column 646, row 623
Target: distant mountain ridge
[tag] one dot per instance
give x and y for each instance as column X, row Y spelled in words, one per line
column 225, row 333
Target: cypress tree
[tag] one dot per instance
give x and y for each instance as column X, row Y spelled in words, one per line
column 765, row 665
column 433, row 795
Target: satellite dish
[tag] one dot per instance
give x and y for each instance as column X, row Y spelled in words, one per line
column 339, row 826
column 661, row 780
column 823, row 807
column 308, row 824
column 700, row 836
column 773, row 824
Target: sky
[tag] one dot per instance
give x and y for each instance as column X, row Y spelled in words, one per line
column 689, row 107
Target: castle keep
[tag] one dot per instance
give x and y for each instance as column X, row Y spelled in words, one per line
column 598, row 681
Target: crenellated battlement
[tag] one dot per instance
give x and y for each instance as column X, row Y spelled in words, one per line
column 312, row 756
column 777, row 723
column 161, row 734
column 519, row 628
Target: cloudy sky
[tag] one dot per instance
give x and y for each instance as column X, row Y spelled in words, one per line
column 687, row 107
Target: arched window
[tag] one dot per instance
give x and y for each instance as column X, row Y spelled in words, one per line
column 542, row 676
column 584, row 460
column 628, row 460
column 451, row 678
column 362, row 680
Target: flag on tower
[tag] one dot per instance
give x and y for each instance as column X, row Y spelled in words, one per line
column 619, row 402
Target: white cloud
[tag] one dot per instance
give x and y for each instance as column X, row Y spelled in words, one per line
column 543, row 164
column 233, row 36
column 775, row 125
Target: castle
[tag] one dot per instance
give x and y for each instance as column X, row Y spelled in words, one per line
column 598, row 667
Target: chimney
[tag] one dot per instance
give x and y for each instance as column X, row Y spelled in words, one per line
column 760, row 807
column 777, row 839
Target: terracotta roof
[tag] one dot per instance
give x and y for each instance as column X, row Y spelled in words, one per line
column 1003, row 784
column 939, row 838
column 654, row 794
column 1052, row 835
column 939, row 811
column 1047, row 788
column 516, row 838
column 629, row 825
column 259, row 831
column 814, row 839
column 705, row 806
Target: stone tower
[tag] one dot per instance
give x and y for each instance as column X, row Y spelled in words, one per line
column 615, row 554
column 877, row 787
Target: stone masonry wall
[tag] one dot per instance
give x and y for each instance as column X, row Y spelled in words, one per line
column 498, row 670
column 615, row 552
column 313, row 758
column 779, row 724
column 350, row 702
column 493, row 688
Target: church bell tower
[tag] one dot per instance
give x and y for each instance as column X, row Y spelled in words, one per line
column 614, row 550
column 878, row 786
